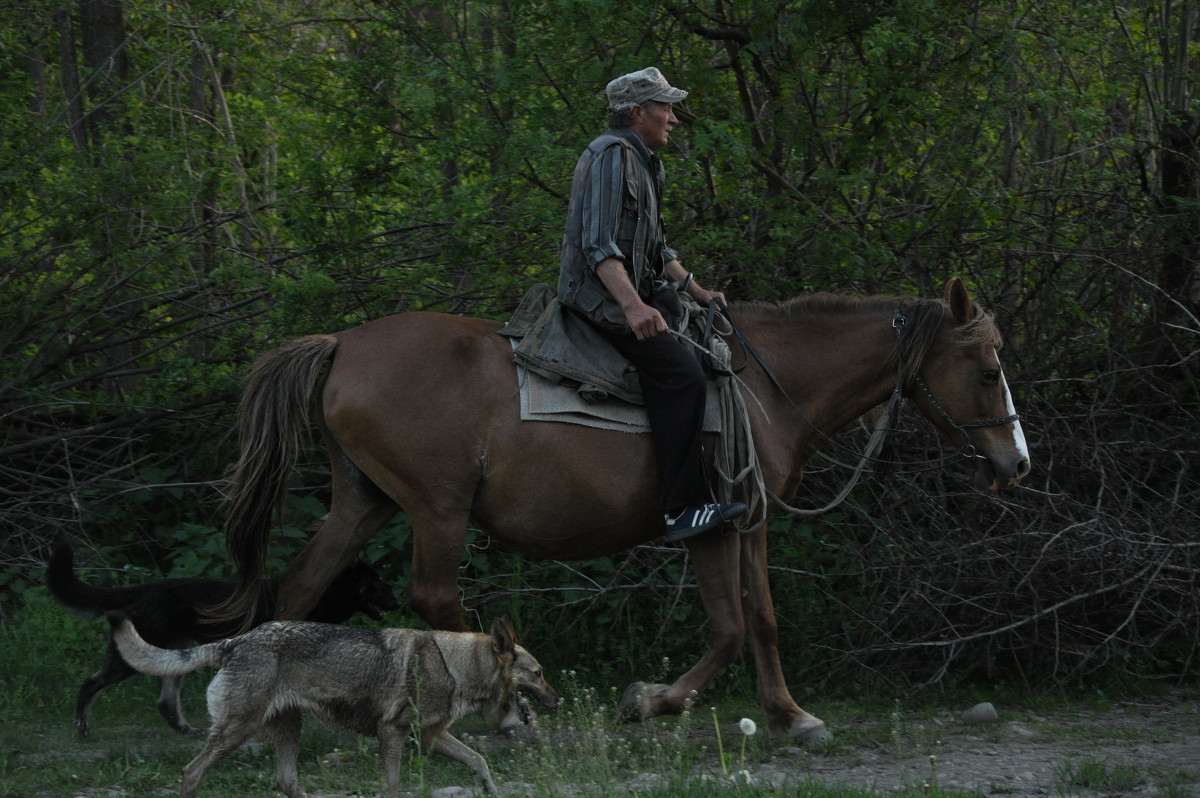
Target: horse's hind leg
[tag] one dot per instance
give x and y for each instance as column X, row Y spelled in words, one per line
column 439, row 538
column 357, row 511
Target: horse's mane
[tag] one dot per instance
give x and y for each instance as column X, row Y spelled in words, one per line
column 819, row 304
column 923, row 320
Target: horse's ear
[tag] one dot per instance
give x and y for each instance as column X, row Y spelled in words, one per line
column 504, row 637
column 960, row 302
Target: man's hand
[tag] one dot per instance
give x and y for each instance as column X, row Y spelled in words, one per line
column 705, row 297
column 674, row 271
column 645, row 321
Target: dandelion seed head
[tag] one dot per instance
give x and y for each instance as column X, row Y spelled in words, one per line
column 747, row 726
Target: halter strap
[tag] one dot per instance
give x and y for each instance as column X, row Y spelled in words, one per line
column 968, row 449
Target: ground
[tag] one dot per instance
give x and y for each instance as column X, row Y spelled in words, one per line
column 1131, row 749
column 1147, row 747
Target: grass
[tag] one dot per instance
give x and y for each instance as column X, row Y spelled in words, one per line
column 133, row 753
column 1094, row 774
column 701, row 754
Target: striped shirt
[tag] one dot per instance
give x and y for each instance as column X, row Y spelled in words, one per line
column 614, row 212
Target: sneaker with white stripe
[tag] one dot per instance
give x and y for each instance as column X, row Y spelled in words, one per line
column 695, row 520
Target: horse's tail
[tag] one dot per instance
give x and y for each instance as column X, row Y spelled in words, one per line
column 272, row 416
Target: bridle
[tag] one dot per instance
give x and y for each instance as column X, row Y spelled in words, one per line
column 887, row 420
column 967, row 449
column 903, row 379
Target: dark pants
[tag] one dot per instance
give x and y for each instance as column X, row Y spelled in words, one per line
column 673, row 386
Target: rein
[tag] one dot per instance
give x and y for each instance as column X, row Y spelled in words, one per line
column 887, row 420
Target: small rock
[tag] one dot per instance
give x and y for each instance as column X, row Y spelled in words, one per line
column 980, row 713
column 452, row 792
column 1023, row 731
column 645, row 782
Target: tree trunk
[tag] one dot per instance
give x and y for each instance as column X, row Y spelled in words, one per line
column 69, row 65
column 102, row 23
column 1180, row 176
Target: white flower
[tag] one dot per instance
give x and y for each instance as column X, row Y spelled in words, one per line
column 747, row 726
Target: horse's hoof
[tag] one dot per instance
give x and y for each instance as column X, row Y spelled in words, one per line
column 810, row 732
column 635, row 704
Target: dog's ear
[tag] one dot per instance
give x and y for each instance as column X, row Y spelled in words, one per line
column 504, row 637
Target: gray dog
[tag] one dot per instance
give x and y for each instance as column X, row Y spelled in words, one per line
column 376, row 682
column 170, row 613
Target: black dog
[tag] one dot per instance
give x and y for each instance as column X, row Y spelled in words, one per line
column 168, row 614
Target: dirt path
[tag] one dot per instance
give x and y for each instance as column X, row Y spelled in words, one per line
column 1146, row 750
column 1133, row 749
column 1149, row 748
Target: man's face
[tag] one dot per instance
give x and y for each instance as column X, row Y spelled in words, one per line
column 653, row 122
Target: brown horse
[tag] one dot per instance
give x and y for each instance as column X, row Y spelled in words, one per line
column 420, row 412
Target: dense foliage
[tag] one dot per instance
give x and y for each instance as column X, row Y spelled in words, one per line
column 186, row 185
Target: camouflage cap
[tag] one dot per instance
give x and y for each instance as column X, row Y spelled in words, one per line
column 641, row 87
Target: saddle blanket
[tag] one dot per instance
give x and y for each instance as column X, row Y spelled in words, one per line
column 568, row 372
column 544, row 400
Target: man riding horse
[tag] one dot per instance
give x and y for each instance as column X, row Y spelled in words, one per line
column 618, row 273
column 422, row 412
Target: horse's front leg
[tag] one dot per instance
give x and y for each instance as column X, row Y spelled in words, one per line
column 714, row 561
column 783, row 714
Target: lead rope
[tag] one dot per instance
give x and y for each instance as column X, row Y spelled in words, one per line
column 734, row 412
column 882, row 427
column 738, row 447
column 886, row 422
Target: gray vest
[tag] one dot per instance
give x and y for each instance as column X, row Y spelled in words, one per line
column 624, row 221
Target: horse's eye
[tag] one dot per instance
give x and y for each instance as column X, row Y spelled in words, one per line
column 991, row 377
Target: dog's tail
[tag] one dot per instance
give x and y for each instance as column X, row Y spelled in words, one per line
column 75, row 594
column 155, row 661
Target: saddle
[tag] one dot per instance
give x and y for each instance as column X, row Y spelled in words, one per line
column 569, row 373
column 573, row 374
